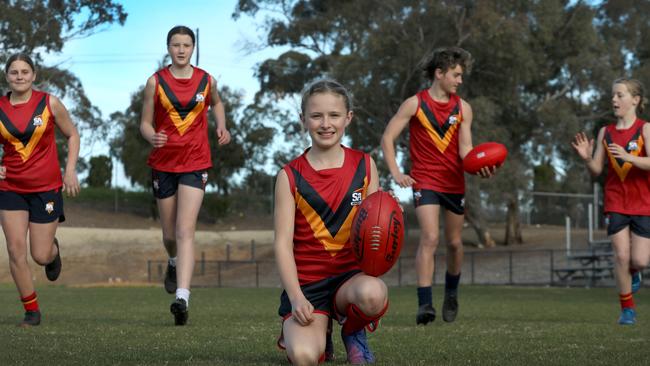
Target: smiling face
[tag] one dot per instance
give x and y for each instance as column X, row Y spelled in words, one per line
column 20, row 76
column 180, row 49
column 623, row 102
column 326, row 116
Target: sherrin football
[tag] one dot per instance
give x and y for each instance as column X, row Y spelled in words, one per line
column 488, row 154
column 377, row 233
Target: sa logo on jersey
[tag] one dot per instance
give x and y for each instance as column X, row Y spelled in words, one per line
column 453, row 119
column 357, row 198
column 200, row 98
column 49, row 207
column 38, row 121
column 632, row 146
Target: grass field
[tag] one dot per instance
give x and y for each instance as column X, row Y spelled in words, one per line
column 496, row 326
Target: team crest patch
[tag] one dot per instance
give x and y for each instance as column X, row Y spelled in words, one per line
column 632, row 146
column 38, row 121
column 49, row 207
column 156, row 186
column 462, row 202
column 453, row 119
column 200, row 98
column 204, row 178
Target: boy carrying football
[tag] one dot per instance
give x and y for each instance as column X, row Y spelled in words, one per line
column 440, row 136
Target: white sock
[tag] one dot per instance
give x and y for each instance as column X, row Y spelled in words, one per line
column 172, row 261
column 183, row 293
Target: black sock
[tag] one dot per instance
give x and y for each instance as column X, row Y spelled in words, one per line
column 424, row 296
column 451, row 283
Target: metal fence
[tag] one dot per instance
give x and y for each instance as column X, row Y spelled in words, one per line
column 498, row 267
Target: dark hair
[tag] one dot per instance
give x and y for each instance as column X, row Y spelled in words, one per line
column 635, row 87
column 325, row 86
column 446, row 58
column 180, row 29
column 19, row 57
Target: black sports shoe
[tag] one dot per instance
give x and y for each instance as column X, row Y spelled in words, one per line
column 179, row 309
column 32, row 318
column 53, row 269
column 450, row 308
column 426, row 314
column 170, row 279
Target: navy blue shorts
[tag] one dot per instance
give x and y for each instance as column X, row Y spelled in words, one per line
column 320, row 294
column 454, row 202
column 43, row 207
column 165, row 184
column 640, row 225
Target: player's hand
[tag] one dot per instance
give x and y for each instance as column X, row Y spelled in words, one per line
column 487, row 172
column 71, row 184
column 403, row 180
column 303, row 311
column 583, row 146
column 3, row 172
column 618, row 152
column 158, row 139
column 223, row 136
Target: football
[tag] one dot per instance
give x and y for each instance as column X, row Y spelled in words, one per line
column 377, row 233
column 488, row 154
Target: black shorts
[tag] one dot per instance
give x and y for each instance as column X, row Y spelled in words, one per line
column 165, row 184
column 320, row 294
column 43, row 207
column 640, row 225
column 454, row 202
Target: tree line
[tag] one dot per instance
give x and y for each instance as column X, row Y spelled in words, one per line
column 542, row 72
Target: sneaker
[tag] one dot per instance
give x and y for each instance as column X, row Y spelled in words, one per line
column 450, row 308
column 170, row 279
column 53, row 269
column 636, row 281
column 32, row 318
column 329, row 345
column 356, row 346
column 179, row 309
column 628, row 317
column 426, row 314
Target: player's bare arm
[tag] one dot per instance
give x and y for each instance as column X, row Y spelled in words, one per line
column 585, row 148
column 156, row 139
column 394, row 128
column 216, row 105
column 284, row 215
column 69, row 130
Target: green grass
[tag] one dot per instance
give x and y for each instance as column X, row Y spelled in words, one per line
column 496, row 326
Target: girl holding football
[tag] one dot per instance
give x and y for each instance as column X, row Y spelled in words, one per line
column 175, row 122
column 31, row 185
column 624, row 145
column 316, row 197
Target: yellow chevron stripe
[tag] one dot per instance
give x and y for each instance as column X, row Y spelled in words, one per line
column 25, row 151
column 623, row 170
column 443, row 143
column 181, row 124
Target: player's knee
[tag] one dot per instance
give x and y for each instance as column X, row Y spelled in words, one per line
column 41, row 257
column 303, row 354
column 372, row 296
column 429, row 240
column 638, row 263
column 183, row 235
column 622, row 259
column 455, row 245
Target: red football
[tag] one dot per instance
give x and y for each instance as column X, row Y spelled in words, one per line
column 377, row 233
column 488, row 154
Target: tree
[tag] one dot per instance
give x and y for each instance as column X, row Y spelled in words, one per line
column 542, row 72
column 100, row 172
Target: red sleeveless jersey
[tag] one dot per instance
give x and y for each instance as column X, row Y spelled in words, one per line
column 326, row 202
column 27, row 134
column 181, row 111
column 627, row 188
column 433, row 143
